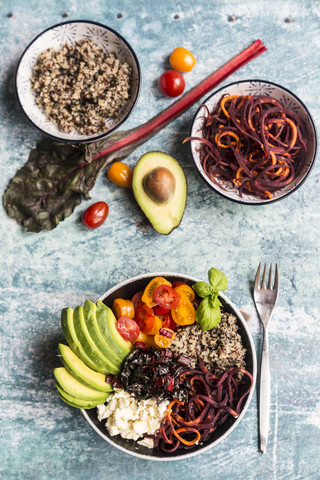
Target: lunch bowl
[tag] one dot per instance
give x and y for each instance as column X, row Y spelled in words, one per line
column 127, row 289
column 262, row 88
column 68, row 33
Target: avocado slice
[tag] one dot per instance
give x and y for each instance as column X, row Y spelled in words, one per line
column 72, row 338
column 89, row 311
column 106, row 322
column 160, row 188
column 103, row 365
column 74, row 401
column 81, row 372
column 77, row 389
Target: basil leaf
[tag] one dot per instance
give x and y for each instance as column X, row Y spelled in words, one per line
column 214, row 299
column 217, row 279
column 50, row 185
column 202, row 289
column 207, row 316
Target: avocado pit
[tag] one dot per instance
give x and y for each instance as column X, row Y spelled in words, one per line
column 159, row 185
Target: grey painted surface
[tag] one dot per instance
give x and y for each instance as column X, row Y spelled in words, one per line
column 41, row 438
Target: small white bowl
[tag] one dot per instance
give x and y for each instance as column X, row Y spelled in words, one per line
column 287, row 98
column 127, row 289
column 55, row 37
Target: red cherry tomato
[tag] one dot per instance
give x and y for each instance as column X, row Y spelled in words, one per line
column 136, row 299
column 160, row 310
column 171, row 83
column 128, row 328
column 168, row 322
column 144, row 318
column 177, row 284
column 95, row 215
column 166, row 297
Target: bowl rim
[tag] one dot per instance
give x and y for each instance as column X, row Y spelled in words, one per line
column 249, row 397
column 261, row 202
column 102, row 135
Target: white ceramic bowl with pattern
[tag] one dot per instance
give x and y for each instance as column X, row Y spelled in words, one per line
column 287, row 98
column 70, row 32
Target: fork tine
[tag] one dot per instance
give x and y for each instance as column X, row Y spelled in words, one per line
column 264, row 276
column 257, row 280
column 276, row 279
column 270, row 283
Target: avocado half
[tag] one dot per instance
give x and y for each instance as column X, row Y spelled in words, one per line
column 160, row 188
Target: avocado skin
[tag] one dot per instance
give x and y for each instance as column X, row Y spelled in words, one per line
column 163, row 217
column 81, row 371
column 102, row 364
column 67, row 323
column 90, row 318
column 77, row 389
column 73, row 401
column 106, row 322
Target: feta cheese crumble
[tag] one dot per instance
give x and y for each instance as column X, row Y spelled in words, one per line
column 132, row 419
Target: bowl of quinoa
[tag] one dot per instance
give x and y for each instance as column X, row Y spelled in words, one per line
column 228, row 345
column 78, row 81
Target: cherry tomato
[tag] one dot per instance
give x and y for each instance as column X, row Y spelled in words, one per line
column 168, row 322
column 147, row 296
column 146, row 319
column 184, row 289
column 171, row 83
column 95, row 215
column 120, row 174
column 176, row 284
column 122, row 308
column 185, row 313
column 182, row 60
column 128, row 328
column 147, row 340
column 164, row 337
column 160, row 310
column 136, row 299
column 166, row 297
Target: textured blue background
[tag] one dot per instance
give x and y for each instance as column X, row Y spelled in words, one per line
column 42, row 438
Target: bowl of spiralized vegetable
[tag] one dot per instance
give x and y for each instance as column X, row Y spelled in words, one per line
column 223, row 398
column 253, row 142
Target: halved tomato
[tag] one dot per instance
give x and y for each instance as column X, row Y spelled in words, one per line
column 136, row 299
column 148, row 322
column 168, row 322
column 147, row 296
column 160, row 311
column 184, row 289
column 185, row 313
column 166, row 297
column 128, row 328
column 122, row 308
column 164, row 338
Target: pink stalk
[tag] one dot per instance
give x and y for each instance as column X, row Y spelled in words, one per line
column 147, row 130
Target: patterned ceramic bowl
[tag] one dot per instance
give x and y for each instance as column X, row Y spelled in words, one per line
column 287, row 98
column 55, row 37
column 127, row 289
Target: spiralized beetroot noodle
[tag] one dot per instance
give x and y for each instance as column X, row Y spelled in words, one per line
column 212, row 400
column 254, row 142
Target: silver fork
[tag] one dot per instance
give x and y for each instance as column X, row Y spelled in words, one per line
column 265, row 297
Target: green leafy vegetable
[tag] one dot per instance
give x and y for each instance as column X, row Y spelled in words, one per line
column 49, row 186
column 208, row 313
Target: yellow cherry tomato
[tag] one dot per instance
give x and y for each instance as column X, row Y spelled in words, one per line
column 164, row 338
column 120, row 174
column 185, row 313
column 147, row 296
column 123, row 308
column 184, row 289
column 182, row 60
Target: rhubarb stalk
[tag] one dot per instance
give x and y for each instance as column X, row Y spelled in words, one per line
column 139, row 135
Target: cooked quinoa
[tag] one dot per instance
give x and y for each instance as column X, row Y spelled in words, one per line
column 219, row 348
column 79, row 86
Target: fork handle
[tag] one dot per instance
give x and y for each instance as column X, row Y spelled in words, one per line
column 264, row 394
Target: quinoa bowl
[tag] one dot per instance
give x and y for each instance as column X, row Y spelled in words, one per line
column 128, row 289
column 78, row 81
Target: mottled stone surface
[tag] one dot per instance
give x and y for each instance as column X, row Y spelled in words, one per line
column 41, row 438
